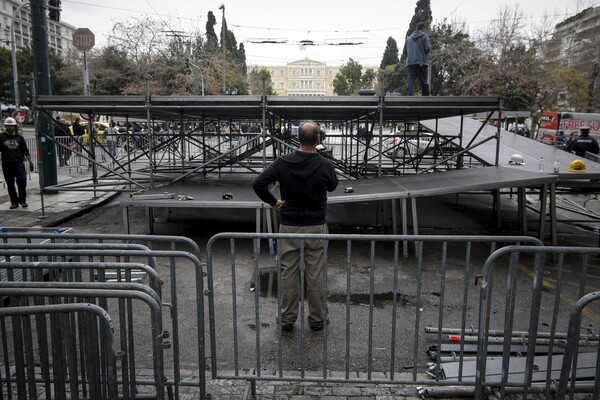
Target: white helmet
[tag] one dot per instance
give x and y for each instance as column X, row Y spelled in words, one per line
column 10, row 121
column 517, row 159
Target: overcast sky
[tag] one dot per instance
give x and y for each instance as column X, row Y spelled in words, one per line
column 366, row 23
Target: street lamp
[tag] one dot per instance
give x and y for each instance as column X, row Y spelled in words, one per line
column 594, row 74
column 222, row 7
column 197, row 69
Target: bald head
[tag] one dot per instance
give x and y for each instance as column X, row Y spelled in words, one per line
column 308, row 134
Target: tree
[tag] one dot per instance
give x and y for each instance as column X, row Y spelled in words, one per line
column 256, row 82
column 456, row 64
column 212, row 40
column 367, row 80
column 348, row 81
column 422, row 14
column 110, row 71
column 390, row 55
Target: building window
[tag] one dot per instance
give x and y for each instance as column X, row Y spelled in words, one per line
column 281, row 72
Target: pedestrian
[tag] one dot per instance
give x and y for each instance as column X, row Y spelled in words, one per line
column 583, row 143
column 63, row 141
column 14, row 151
column 416, row 49
column 111, row 134
column 304, row 178
column 78, row 132
column 560, row 140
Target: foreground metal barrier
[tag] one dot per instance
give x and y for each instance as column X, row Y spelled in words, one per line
column 99, row 385
column 378, row 304
column 568, row 373
column 85, row 258
column 538, row 294
column 386, row 313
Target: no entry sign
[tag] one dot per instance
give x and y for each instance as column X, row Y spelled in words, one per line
column 83, row 39
column 20, row 116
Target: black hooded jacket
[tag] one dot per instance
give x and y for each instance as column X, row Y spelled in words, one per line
column 304, row 179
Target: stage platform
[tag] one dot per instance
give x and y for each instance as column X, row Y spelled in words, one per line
column 398, row 190
column 510, row 143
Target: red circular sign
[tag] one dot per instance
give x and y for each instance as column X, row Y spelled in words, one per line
column 83, row 39
column 20, row 116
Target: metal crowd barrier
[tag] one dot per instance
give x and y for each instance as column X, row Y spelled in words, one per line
column 377, row 307
column 91, row 257
column 568, row 373
column 100, row 386
column 66, row 338
column 535, row 293
column 386, row 313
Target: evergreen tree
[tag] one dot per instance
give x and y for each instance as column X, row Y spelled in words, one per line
column 212, row 40
column 390, row 55
column 422, row 14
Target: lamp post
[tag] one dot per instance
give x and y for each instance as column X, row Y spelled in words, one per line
column 222, row 8
column 13, row 45
column 197, row 69
column 594, row 74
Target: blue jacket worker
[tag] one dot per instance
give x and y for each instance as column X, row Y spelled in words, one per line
column 416, row 49
column 583, row 143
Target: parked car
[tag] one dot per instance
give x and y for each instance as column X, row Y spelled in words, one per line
column 520, row 129
column 423, row 143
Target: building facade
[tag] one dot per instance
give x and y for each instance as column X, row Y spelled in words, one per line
column 575, row 39
column 301, row 78
column 60, row 34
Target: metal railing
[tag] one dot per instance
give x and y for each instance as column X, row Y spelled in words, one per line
column 69, row 259
column 64, row 318
column 535, row 294
column 493, row 304
column 568, row 373
column 378, row 341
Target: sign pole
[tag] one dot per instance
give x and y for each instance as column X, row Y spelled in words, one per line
column 84, row 40
column 86, row 78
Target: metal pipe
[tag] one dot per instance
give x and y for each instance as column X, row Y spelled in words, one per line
column 13, row 44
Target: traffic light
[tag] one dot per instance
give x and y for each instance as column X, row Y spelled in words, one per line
column 187, row 62
column 25, row 93
column 8, row 95
column 54, row 10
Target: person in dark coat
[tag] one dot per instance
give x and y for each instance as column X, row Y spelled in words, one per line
column 14, row 151
column 583, row 143
column 304, row 178
column 62, row 136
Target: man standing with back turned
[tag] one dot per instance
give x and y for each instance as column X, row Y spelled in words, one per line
column 304, row 177
column 416, row 49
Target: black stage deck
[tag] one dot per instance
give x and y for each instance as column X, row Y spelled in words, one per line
column 209, row 194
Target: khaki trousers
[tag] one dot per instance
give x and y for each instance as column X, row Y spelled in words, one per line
column 291, row 264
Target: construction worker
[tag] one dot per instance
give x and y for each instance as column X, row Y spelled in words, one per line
column 14, row 151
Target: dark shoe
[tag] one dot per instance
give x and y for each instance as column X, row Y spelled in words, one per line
column 24, row 205
column 316, row 327
column 13, row 206
column 284, row 327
